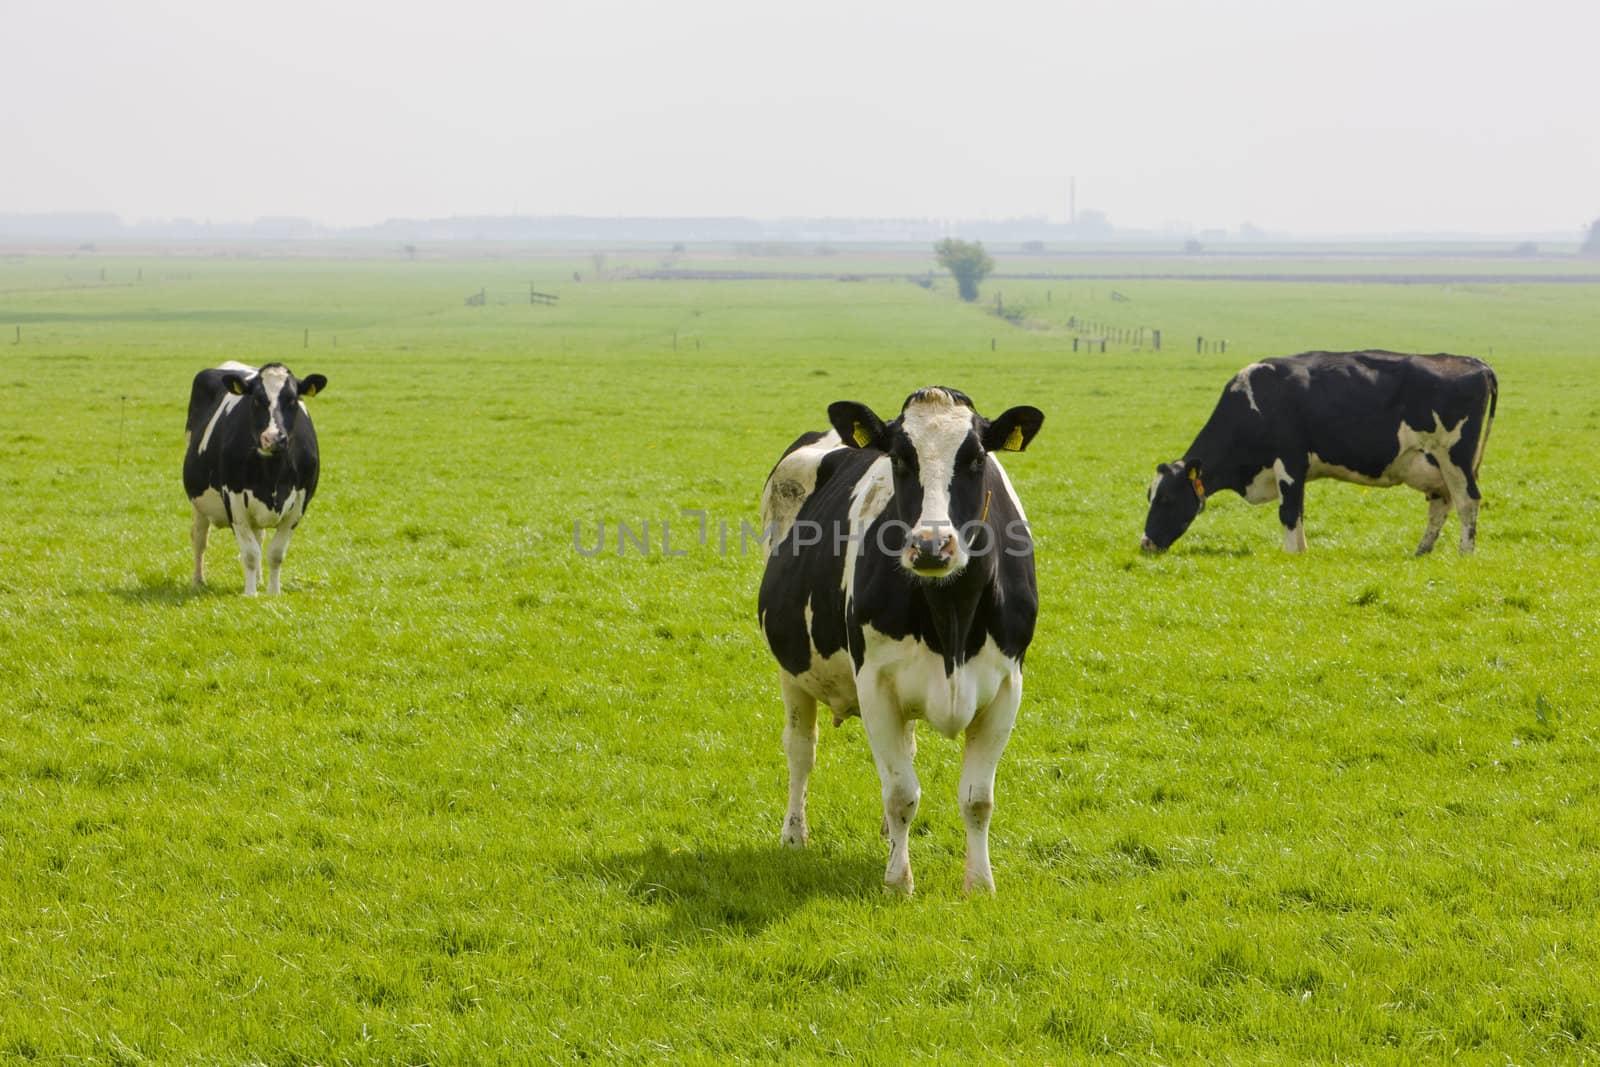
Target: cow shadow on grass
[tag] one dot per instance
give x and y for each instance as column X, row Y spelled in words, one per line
column 1230, row 551
column 160, row 589
column 691, row 893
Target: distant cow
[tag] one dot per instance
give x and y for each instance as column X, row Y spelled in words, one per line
column 251, row 461
column 899, row 586
column 1373, row 418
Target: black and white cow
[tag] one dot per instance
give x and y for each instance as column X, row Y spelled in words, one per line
column 1373, row 418
column 899, row 586
column 251, row 461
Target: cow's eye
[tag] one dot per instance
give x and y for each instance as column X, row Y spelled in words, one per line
column 978, row 461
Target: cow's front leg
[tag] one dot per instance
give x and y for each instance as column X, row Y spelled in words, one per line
column 1291, row 503
column 276, row 550
column 985, row 742
column 800, row 746
column 249, row 554
column 893, row 741
column 199, row 532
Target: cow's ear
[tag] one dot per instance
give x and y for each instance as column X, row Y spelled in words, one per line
column 236, row 384
column 858, row 427
column 1013, row 429
column 312, row 384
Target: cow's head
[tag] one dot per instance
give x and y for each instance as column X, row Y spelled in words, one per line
column 274, row 397
column 938, row 450
column 1177, row 495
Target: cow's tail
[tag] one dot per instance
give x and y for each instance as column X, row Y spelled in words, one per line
column 1488, row 420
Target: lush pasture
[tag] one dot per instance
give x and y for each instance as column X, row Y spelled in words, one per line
column 464, row 792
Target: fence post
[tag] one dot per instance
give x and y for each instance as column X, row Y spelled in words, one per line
column 305, row 341
column 1074, row 343
column 1224, row 345
column 1102, row 346
column 1155, row 337
column 1199, row 344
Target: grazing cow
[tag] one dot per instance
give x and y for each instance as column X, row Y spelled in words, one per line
column 899, row 586
column 1373, row 418
column 251, row 461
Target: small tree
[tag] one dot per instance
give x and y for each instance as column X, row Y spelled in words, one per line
column 1591, row 244
column 967, row 261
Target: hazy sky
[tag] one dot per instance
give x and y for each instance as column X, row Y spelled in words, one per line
column 1344, row 116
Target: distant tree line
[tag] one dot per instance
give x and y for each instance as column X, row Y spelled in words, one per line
column 1591, row 244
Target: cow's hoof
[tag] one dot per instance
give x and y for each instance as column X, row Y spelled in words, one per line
column 795, row 837
column 898, row 889
column 982, row 887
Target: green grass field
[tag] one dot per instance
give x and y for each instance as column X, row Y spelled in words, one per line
column 464, row 794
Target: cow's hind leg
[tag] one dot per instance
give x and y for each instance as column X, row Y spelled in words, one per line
column 249, row 555
column 199, row 532
column 800, row 746
column 1461, row 475
column 985, row 742
column 893, row 741
column 1438, row 509
column 276, row 550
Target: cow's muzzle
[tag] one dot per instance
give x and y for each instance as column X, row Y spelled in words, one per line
column 1149, row 547
column 931, row 554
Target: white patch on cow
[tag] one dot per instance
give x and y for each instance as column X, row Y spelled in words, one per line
column 1005, row 479
column 790, row 485
column 1155, row 484
column 937, row 425
column 1410, row 465
column 868, row 498
column 1483, row 435
column 1241, row 384
column 1263, row 487
column 1281, row 472
column 209, row 504
column 830, row 679
column 228, row 402
column 274, row 380
column 1294, row 538
column 235, row 365
column 915, row 674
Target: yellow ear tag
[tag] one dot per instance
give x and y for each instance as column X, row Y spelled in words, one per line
column 236, row 387
column 1014, row 441
column 1199, row 486
column 308, row 390
column 863, row 438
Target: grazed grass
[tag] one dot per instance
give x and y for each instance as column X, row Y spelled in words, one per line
column 464, row 793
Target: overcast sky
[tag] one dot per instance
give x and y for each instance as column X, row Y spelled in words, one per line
column 1343, row 116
